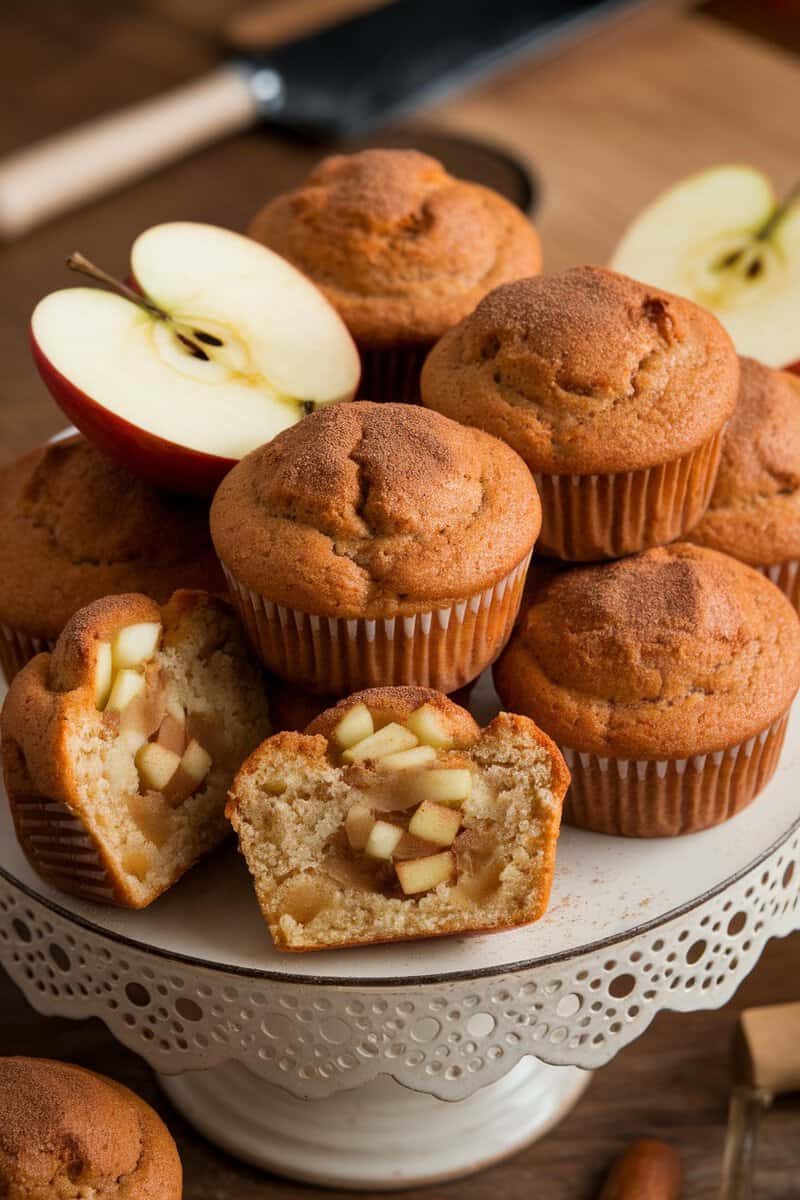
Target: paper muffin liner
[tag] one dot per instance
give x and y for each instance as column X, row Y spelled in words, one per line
column 786, row 576
column 392, row 375
column 60, row 848
column 591, row 517
column 444, row 648
column 662, row 798
column 18, row 648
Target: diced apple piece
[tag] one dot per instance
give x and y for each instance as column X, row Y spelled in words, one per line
column 421, row 874
column 382, row 840
column 389, row 740
column 135, row 644
column 355, row 726
column 127, row 686
column 156, row 765
column 408, row 760
column 450, row 786
column 358, row 825
column 435, row 823
column 103, row 674
column 196, row 761
column 172, row 734
column 136, row 862
column 427, row 724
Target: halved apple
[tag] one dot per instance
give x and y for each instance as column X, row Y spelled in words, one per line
column 722, row 239
column 228, row 345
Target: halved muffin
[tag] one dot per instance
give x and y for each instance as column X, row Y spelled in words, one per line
column 118, row 747
column 395, row 817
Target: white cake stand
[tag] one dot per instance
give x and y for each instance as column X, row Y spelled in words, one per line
column 333, row 1067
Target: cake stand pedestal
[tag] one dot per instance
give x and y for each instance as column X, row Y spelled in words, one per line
column 398, row 1065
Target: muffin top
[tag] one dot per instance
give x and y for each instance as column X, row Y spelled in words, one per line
column 74, row 526
column 67, row 1132
column 755, row 508
column 586, row 371
column 367, row 510
column 670, row 653
column 402, row 249
column 398, row 703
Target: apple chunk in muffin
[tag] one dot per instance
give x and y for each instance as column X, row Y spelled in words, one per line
column 395, row 817
column 119, row 747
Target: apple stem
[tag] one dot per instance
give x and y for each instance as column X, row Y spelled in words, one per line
column 775, row 218
column 80, row 263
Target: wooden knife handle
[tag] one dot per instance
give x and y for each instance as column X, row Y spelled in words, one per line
column 77, row 166
column 648, row 1170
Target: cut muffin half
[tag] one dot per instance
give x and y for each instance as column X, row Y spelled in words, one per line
column 118, row 747
column 395, row 817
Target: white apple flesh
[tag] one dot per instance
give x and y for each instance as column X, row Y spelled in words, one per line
column 722, row 239
column 244, row 347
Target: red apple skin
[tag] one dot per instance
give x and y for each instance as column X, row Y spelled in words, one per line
column 165, row 464
column 794, row 367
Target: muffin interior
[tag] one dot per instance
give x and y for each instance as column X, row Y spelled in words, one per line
column 387, row 829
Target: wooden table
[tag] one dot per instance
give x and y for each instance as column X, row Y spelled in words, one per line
column 606, row 127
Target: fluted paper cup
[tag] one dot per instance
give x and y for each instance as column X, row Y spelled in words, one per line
column 392, row 375
column 443, row 648
column 662, row 798
column 18, row 648
column 60, row 848
column 786, row 576
column 586, row 518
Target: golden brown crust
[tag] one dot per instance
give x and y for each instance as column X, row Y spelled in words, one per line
column 69, row 1133
column 675, row 652
column 367, row 510
column 755, row 507
column 74, row 526
column 397, row 703
column 586, row 372
column 402, row 249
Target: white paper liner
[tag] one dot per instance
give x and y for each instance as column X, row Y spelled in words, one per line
column 665, row 797
column 18, row 648
column 592, row 517
column 444, row 648
column 786, row 576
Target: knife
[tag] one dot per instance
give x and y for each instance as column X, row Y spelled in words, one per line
column 336, row 82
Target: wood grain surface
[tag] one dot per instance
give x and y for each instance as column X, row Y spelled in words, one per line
column 605, row 127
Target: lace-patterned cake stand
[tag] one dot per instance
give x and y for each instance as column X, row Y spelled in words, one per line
column 334, row 1067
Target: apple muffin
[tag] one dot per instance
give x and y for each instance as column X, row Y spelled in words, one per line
column 754, row 512
column 67, row 1133
column 402, row 249
column 395, row 817
column 74, row 527
column 377, row 544
column 666, row 679
column 119, row 747
column 615, row 394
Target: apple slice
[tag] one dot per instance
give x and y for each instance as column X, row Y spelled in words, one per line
column 409, row 760
column 389, row 740
column 421, row 874
column 128, row 684
column 358, row 825
column 354, row 726
column 449, row 785
column 722, row 239
column 435, row 823
column 225, row 345
column 383, row 837
column 428, row 726
column 103, row 674
column 156, row 765
column 135, row 644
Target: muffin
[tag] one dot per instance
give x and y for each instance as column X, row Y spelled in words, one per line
column 395, row 817
column 74, row 526
column 616, row 395
column 377, row 544
column 402, row 250
column 119, row 747
column 754, row 512
column 666, row 679
column 66, row 1132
